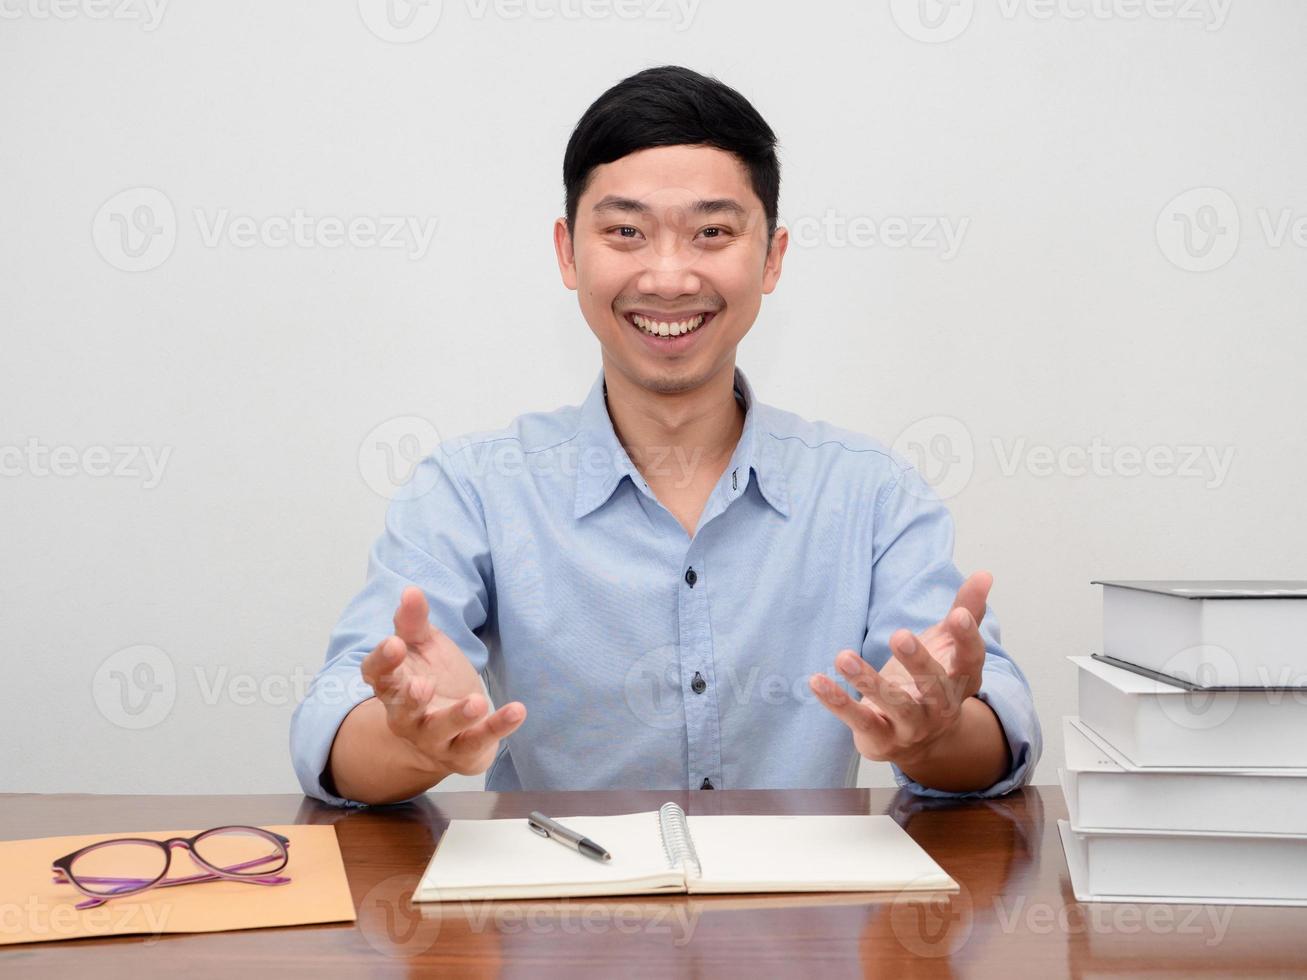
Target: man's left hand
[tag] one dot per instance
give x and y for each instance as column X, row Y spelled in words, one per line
column 917, row 697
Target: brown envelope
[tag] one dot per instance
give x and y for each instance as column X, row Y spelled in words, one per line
column 34, row 909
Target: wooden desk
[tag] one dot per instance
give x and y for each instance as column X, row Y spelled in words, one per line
column 1015, row 915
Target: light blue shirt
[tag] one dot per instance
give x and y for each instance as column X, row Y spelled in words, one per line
column 647, row 658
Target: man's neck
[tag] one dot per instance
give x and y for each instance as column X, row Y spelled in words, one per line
column 662, row 433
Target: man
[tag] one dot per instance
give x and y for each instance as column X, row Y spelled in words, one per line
column 654, row 582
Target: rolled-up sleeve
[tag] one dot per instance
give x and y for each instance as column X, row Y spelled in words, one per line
column 434, row 538
column 914, row 582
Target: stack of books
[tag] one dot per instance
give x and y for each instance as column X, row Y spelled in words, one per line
column 1186, row 768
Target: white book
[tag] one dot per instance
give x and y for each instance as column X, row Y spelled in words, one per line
column 1185, row 868
column 1154, row 723
column 1106, row 791
column 1210, row 633
column 666, row 852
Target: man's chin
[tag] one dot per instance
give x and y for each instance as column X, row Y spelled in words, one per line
column 671, row 379
column 661, row 379
column 674, row 384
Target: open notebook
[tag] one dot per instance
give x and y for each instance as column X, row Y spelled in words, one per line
column 665, row 851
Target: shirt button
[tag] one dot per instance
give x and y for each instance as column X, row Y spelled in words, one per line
column 691, row 577
column 706, row 784
column 698, row 685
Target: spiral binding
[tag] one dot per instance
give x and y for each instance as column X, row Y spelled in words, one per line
column 678, row 845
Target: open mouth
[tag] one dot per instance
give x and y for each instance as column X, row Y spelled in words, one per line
column 661, row 327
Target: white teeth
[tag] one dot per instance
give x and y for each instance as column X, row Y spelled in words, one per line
column 661, row 328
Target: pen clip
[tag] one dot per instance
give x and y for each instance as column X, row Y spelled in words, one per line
column 536, row 828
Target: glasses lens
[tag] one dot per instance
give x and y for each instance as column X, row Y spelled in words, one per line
column 120, row 866
column 241, row 851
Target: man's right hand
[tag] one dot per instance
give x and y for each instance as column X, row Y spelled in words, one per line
column 433, row 696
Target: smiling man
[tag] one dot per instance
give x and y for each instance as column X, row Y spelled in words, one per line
column 653, row 583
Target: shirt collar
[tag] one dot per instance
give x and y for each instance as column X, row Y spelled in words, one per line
column 602, row 461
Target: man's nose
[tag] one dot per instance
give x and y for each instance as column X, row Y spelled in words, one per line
column 670, row 276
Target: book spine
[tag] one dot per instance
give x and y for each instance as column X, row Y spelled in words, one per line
column 678, row 845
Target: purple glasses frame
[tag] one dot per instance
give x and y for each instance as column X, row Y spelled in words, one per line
column 63, row 875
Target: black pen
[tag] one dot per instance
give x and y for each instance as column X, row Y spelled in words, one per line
column 554, row 830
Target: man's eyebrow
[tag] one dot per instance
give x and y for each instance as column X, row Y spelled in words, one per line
column 630, row 205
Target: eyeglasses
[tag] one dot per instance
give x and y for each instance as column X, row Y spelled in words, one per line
column 129, row 865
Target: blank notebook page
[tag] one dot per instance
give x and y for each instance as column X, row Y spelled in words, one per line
column 810, row 853
column 486, row 855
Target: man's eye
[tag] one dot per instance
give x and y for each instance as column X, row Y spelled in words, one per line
column 630, row 232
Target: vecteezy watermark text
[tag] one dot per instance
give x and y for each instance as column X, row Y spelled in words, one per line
column 148, row 12
column 1042, row 918
column 406, row 21
column 394, row 925
column 394, row 459
column 299, row 229
column 940, row 21
column 922, row 232
column 1209, row 463
column 138, row 686
column 35, row 458
column 943, row 454
column 43, row 919
column 136, row 230
column 936, row 925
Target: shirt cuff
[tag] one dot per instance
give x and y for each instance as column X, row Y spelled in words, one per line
column 1010, row 699
column 313, row 727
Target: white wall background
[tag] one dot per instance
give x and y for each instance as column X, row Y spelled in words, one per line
column 1056, row 136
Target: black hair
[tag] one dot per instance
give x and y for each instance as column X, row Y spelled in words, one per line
column 672, row 106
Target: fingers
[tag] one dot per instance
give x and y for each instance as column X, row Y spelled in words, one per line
column 441, row 722
column 914, row 700
column 969, row 644
column 502, row 723
column 943, row 687
column 410, row 701
column 908, row 650
column 412, row 623
column 458, row 730
column 378, row 667
column 928, row 674
column 861, row 718
column 903, row 712
column 973, row 593
column 462, row 735
column 405, row 693
column 912, row 715
column 866, row 679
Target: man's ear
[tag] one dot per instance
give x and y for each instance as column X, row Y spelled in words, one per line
column 771, row 269
column 566, row 254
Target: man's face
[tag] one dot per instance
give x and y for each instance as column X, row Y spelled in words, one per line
column 670, row 241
